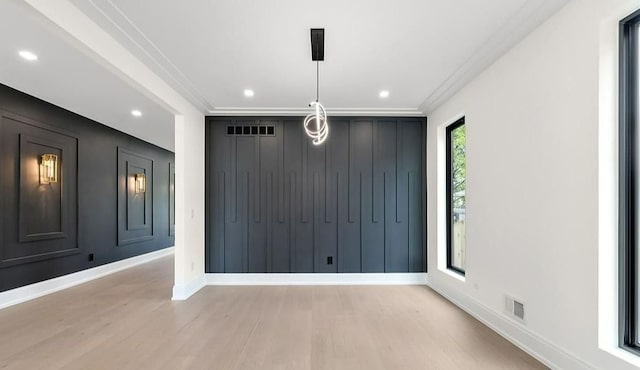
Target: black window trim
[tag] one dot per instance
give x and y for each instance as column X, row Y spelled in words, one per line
column 628, row 182
column 449, row 163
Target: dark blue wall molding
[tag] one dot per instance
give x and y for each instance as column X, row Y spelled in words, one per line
column 280, row 204
column 135, row 211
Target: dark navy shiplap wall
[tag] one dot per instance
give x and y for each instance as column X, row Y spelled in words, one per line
column 280, row 204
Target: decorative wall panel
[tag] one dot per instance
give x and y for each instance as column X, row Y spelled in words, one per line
column 280, row 204
column 135, row 207
column 46, row 222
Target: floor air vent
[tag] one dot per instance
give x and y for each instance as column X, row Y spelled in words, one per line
column 515, row 308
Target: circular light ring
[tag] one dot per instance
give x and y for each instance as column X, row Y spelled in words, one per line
column 316, row 124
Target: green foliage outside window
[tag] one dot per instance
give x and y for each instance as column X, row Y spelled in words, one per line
column 459, row 166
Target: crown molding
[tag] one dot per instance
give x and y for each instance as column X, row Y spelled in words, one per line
column 377, row 112
column 114, row 21
column 531, row 15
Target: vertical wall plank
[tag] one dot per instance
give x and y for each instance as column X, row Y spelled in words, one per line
column 374, row 151
column 305, row 174
column 408, row 223
column 413, row 144
column 247, row 212
column 327, row 181
column 292, row 216
column 315, row 219
column 257, row 186
column 222, row 200
column 269, row 199
column 360, row 219
column 350, row 174
column 384, row 217
column 281, row 172
column 398, row 167
column 234, row 187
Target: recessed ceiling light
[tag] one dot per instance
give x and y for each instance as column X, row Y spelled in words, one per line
column 136, row 113
column 248, row 93
column 28, row 55
column 384, row 94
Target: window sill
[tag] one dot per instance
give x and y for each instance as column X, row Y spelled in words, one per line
column 454, row 274
column 623, row 355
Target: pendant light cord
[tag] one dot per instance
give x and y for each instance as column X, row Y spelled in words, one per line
column 317, row 81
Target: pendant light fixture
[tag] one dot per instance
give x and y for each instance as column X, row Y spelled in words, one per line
column 315, row 124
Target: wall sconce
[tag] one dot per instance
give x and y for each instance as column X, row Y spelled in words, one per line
column 48, row 169
column 141, row 183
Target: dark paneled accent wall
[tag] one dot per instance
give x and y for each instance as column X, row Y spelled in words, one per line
column 90, row 216
column 277, row 203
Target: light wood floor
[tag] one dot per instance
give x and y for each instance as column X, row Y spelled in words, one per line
column 127, row 321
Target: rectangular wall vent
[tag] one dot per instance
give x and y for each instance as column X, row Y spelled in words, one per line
column 253, row 130
column 515, row 308
column 518, row 310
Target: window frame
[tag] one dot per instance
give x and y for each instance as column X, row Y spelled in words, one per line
column 628, row 181
column 449, row 204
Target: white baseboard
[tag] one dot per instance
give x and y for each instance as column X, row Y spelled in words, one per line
column 182, row 292
column 36, row 290
column 518, row 334
column 317, row 279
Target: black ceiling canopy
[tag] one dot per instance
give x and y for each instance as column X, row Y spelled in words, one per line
column 317, row 44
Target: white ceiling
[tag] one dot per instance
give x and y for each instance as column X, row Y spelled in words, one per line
column 419, row 50
column 422, row 51
column 67, row 76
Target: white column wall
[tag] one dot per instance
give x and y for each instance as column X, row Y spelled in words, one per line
column 190, row 172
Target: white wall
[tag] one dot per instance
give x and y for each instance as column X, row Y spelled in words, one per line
column 536, row 169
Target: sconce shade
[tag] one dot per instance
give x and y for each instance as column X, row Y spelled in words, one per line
column 48, row 169
column 141, row 183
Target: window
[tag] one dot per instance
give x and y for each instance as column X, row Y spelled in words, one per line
column 456, row 196
column 629, row 182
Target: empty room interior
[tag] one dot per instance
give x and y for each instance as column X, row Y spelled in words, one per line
column 220, row 184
